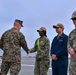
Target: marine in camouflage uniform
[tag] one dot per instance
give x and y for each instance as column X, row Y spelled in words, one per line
column 12, row 41
column 72, row 47
column 42, row 46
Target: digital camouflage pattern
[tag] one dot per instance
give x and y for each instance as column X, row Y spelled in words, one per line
column 12, row 41
column 42, row 58
column 15, row 67
column 72, row 44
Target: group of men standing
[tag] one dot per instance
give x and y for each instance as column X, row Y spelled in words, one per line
column 12, row 41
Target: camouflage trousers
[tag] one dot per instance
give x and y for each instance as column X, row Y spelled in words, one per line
column 13, row 66
column 72, row 67
column 41, row 67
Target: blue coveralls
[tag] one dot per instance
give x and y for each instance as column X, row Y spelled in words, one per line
column 59, row 47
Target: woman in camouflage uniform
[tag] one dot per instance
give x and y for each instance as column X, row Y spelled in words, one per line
column 42, row 46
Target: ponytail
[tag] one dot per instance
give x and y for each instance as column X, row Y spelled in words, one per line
column 45, row 33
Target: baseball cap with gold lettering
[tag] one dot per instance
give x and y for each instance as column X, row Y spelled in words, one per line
column 19, row 21
column 59, row 25
column 41, row 29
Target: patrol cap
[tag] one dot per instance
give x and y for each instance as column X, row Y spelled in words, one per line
column 74, row 15
column 41, row 29
column 59, row 25
column 19, row 21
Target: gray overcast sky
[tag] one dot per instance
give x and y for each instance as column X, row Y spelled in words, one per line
column 35, row 14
